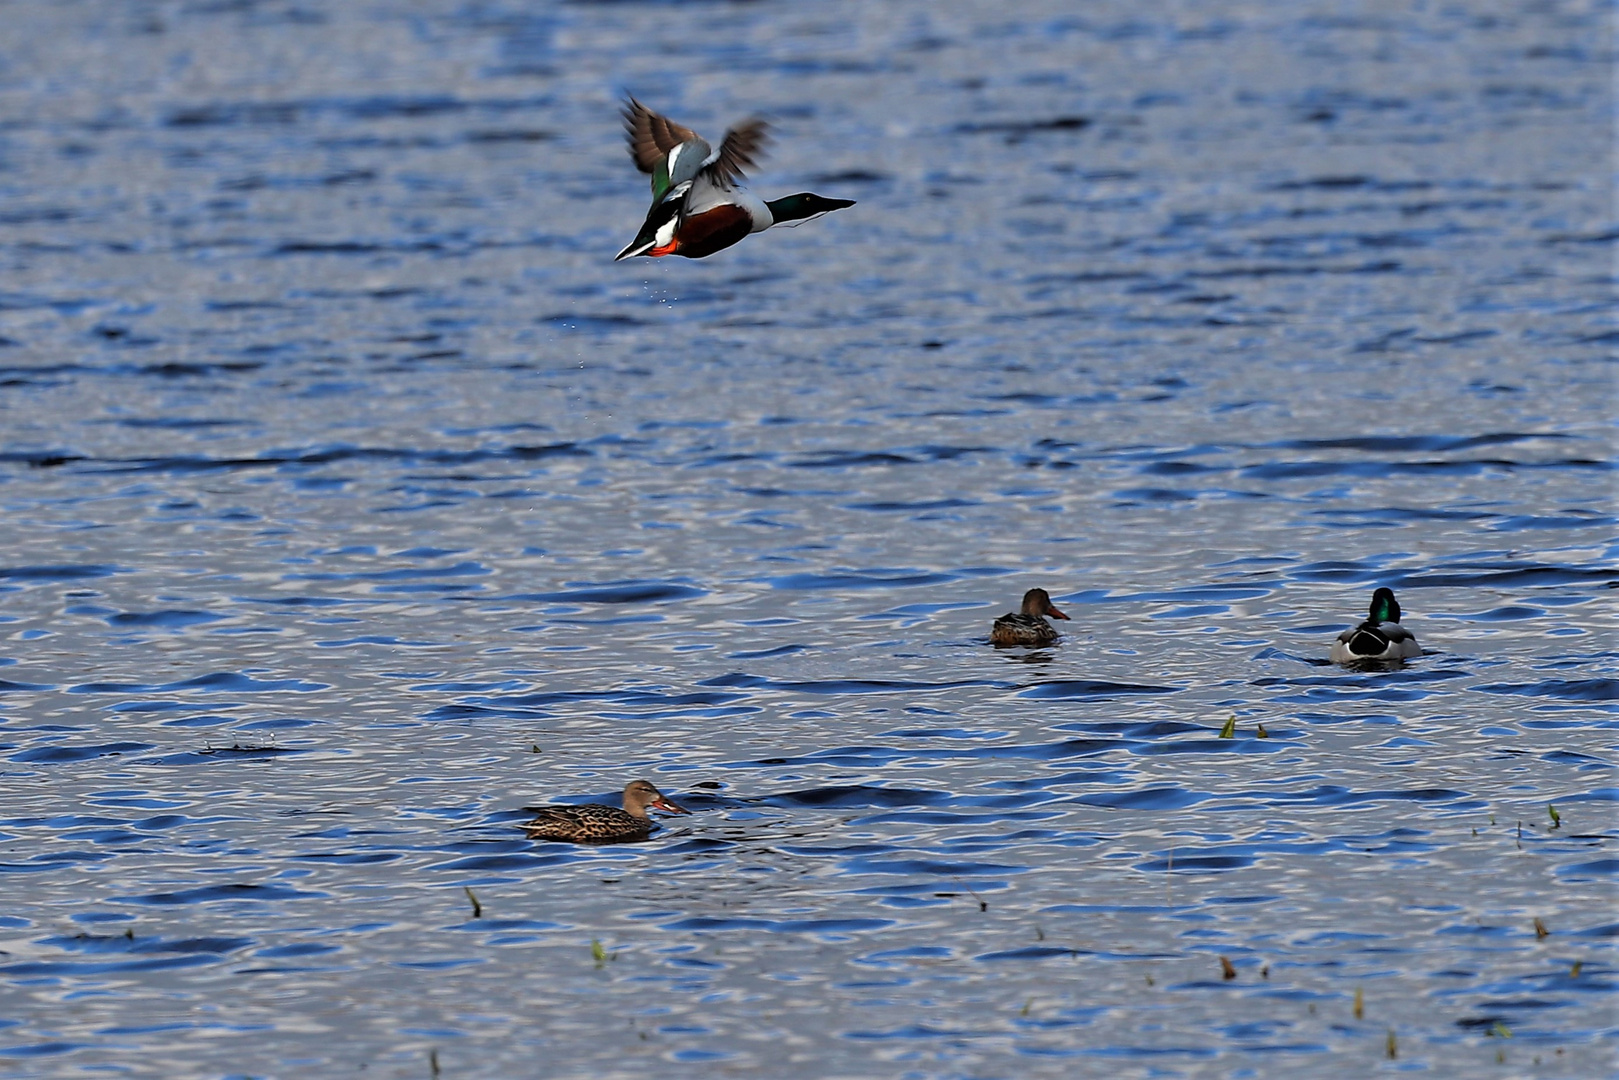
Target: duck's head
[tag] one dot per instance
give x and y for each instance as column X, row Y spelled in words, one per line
column 1384, row 607
column 1038, row 602
column 805, row 206
column 640, row 794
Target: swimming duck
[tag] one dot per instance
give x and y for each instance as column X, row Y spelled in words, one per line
column 1027, row 628
column 698, row 205
column 598, row 824
column 1380, row 637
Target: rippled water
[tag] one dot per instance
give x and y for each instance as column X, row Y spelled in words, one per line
column 355, row 499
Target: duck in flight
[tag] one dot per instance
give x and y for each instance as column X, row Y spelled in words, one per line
column 1380, row 637
column 1027, row 628
column 598, row 824
column 698, row 204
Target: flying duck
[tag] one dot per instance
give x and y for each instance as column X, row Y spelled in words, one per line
column 698, row 204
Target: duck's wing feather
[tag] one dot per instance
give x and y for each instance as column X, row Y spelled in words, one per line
column 1349, row 635
column 1367, row 639
column 1402, row 641
column 586, row 824
column 547, row 816
column 741, row 151
column 1375, row 641
column 590, row 813
column 652, row 136
column 1017, row 628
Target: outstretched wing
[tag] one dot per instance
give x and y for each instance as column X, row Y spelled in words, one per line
column 652, row 136
column 740, row 151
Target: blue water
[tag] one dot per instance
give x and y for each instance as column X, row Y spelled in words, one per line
column 354, row 499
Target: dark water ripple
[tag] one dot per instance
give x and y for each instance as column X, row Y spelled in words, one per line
column 355, row 500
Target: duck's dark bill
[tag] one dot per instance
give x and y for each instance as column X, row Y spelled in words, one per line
column 669, row 807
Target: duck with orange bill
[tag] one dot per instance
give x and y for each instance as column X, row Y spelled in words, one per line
column 595, row 823
column 1027, row 628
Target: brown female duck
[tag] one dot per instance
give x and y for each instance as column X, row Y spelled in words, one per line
column 1027, row 628
column 598, row 824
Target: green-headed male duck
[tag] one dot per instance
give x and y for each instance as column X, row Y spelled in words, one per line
column 698, row 204
column 1380, row 637
column 598, row 824
column 1027, row 628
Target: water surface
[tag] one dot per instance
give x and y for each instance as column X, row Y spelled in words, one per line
column 353, row 499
